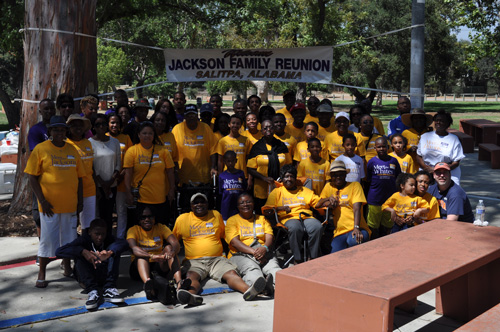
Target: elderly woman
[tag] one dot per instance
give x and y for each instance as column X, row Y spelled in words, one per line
column 264, row 162
column 440, row 146
column 350, row 225
column 55, row 173
column 290, row 201
column 78, row 126
column 148, row 165
column 250, row 237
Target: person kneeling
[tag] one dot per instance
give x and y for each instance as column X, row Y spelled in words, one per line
column 154, row 257
column 97, row 262
column 202, row 230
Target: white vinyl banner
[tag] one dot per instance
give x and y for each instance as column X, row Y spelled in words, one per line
column 308, row 64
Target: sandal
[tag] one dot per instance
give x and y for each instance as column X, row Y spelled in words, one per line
column 41, row 283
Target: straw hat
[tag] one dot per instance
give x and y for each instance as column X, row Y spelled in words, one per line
column 86, row 122
column 406, row 118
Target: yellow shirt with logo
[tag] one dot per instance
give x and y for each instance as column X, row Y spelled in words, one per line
column 412, row 136
column 291, row 144
column 343, row 215
column 334, row 145
column 299, row 200
column 323, row 132
column 201, row 236
column 287, row 114
column 84, row 148
column 238, row 226
column 241, row 146
column 405, row 205
column 302, row 153
column 297, row 133
column 152, row 190
column 58, row 170
column 251, row 137
column 168, row 141
column 378, row 125
column 406, row 163
column 150, row 241
column 370, row 151
column 195, row 148
column 433, row 206
column 319, row 173
column 260, row 163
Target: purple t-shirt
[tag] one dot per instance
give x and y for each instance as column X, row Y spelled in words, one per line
column 37, row 134
column 231, row 186
column 382, row 177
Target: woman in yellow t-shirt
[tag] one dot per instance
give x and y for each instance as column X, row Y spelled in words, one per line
column 148, row 165
column 350, row 225
column 252, row 132
column 290, row 201
column 249, row 238
column 55, row 173
column 78, row 127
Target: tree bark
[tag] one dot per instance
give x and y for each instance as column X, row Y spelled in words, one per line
column 54, row 63
column 301, row 92
column 262, row 90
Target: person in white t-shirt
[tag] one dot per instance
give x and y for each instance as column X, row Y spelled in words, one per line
column 354, row 163
column 440, row 146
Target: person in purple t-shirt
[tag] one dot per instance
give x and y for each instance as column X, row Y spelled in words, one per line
column 381, row 173
column 231, row 184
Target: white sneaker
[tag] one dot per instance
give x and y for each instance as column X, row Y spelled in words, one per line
column 93, row 300
column 112, row 295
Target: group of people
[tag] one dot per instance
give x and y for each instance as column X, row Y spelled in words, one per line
column 269, row 166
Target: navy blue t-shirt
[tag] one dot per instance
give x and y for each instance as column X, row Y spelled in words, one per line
column 454, row 200
column 382, row 177
column 231, row 186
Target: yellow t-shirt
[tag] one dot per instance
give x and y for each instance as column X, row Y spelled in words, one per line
column 58, row 170
column 241, row 146
column 319, row 173
column 301, row 152
column 333, row 145
column 291, row 144
column 84, row 148
column 152, row 190
column 149, row 241
column 287, row 114
column 125, row 144
column 237, row 226
column 406, row 163
column 297, row 133
column 195, row 148
column 251, row 137
column 201, row 236
column 260, row 163
column 343, row 215
column 299, row 200
column 378, row 125
column 323, row 132
column 433, row 206
column 412, row 136
column 310, row 118
column 370, row 148
column 168, row 141
column 405, row 205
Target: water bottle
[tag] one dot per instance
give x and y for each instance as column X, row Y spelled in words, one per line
column 480, row 211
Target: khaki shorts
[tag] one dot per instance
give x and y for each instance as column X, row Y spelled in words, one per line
column 213, row 267
column 376, row 217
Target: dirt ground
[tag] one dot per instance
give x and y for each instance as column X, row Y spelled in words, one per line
column 18, row 225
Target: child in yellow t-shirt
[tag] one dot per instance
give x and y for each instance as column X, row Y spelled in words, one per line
column 302, row 148
column 315, row 167
column 405, row 161
column 405, row 207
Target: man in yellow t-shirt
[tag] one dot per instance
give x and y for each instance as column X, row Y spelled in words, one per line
column 201, row 231
column 333, row 141
column 289, row 99
column 195, row 144
column 296, row 128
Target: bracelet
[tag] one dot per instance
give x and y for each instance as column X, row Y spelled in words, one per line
column 356, row 226
column 267, row 248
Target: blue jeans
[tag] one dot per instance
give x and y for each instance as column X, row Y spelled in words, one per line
column 346, row 240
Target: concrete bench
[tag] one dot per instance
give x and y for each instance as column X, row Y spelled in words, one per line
column 483, row 131
column 490, row 152
column 487, row 322
column 467, row 141
column 357, row 289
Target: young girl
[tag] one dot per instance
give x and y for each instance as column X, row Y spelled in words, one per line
column 352, row 161
column 405, row 207
column 315, row 167
column 406, row 162
column 424, row 179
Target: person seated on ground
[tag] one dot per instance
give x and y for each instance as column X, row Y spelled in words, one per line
column 201, row 231
column 250, row 238
column 453, row 201
column 154, row 253
column 347, row 200
column 97, row 262
column 290, row 201
column 424, row 179
column 296, row 128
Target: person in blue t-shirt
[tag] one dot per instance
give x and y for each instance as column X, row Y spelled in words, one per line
column 381, row 173
column 396, row 125
column 453, row 201
column 232, row 183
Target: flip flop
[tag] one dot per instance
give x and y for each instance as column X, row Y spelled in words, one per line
column 41, row 283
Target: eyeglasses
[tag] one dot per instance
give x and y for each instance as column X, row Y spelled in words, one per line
column 147, row 216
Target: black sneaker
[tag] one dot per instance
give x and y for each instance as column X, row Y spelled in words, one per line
column 93, row 300
column 112, row 295
column 186, row 297
column 149, row 290
column 254, row 290
column 269, row 290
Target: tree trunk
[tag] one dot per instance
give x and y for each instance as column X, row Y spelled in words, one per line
column 301, row 92
column 262, row 90
column 54, row 63
column 11, row 109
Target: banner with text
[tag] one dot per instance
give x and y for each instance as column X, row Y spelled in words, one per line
column 308, row 64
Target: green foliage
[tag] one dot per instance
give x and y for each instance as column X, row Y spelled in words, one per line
column 111, row 64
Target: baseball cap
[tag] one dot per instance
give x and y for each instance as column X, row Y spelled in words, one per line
column 198, row 195
column 57, row 121
column 297, row 106
column 442, row 166
column 190, row 108
column 342, row 114
column 143, row 102
column 207, row 108
column 325, row 108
